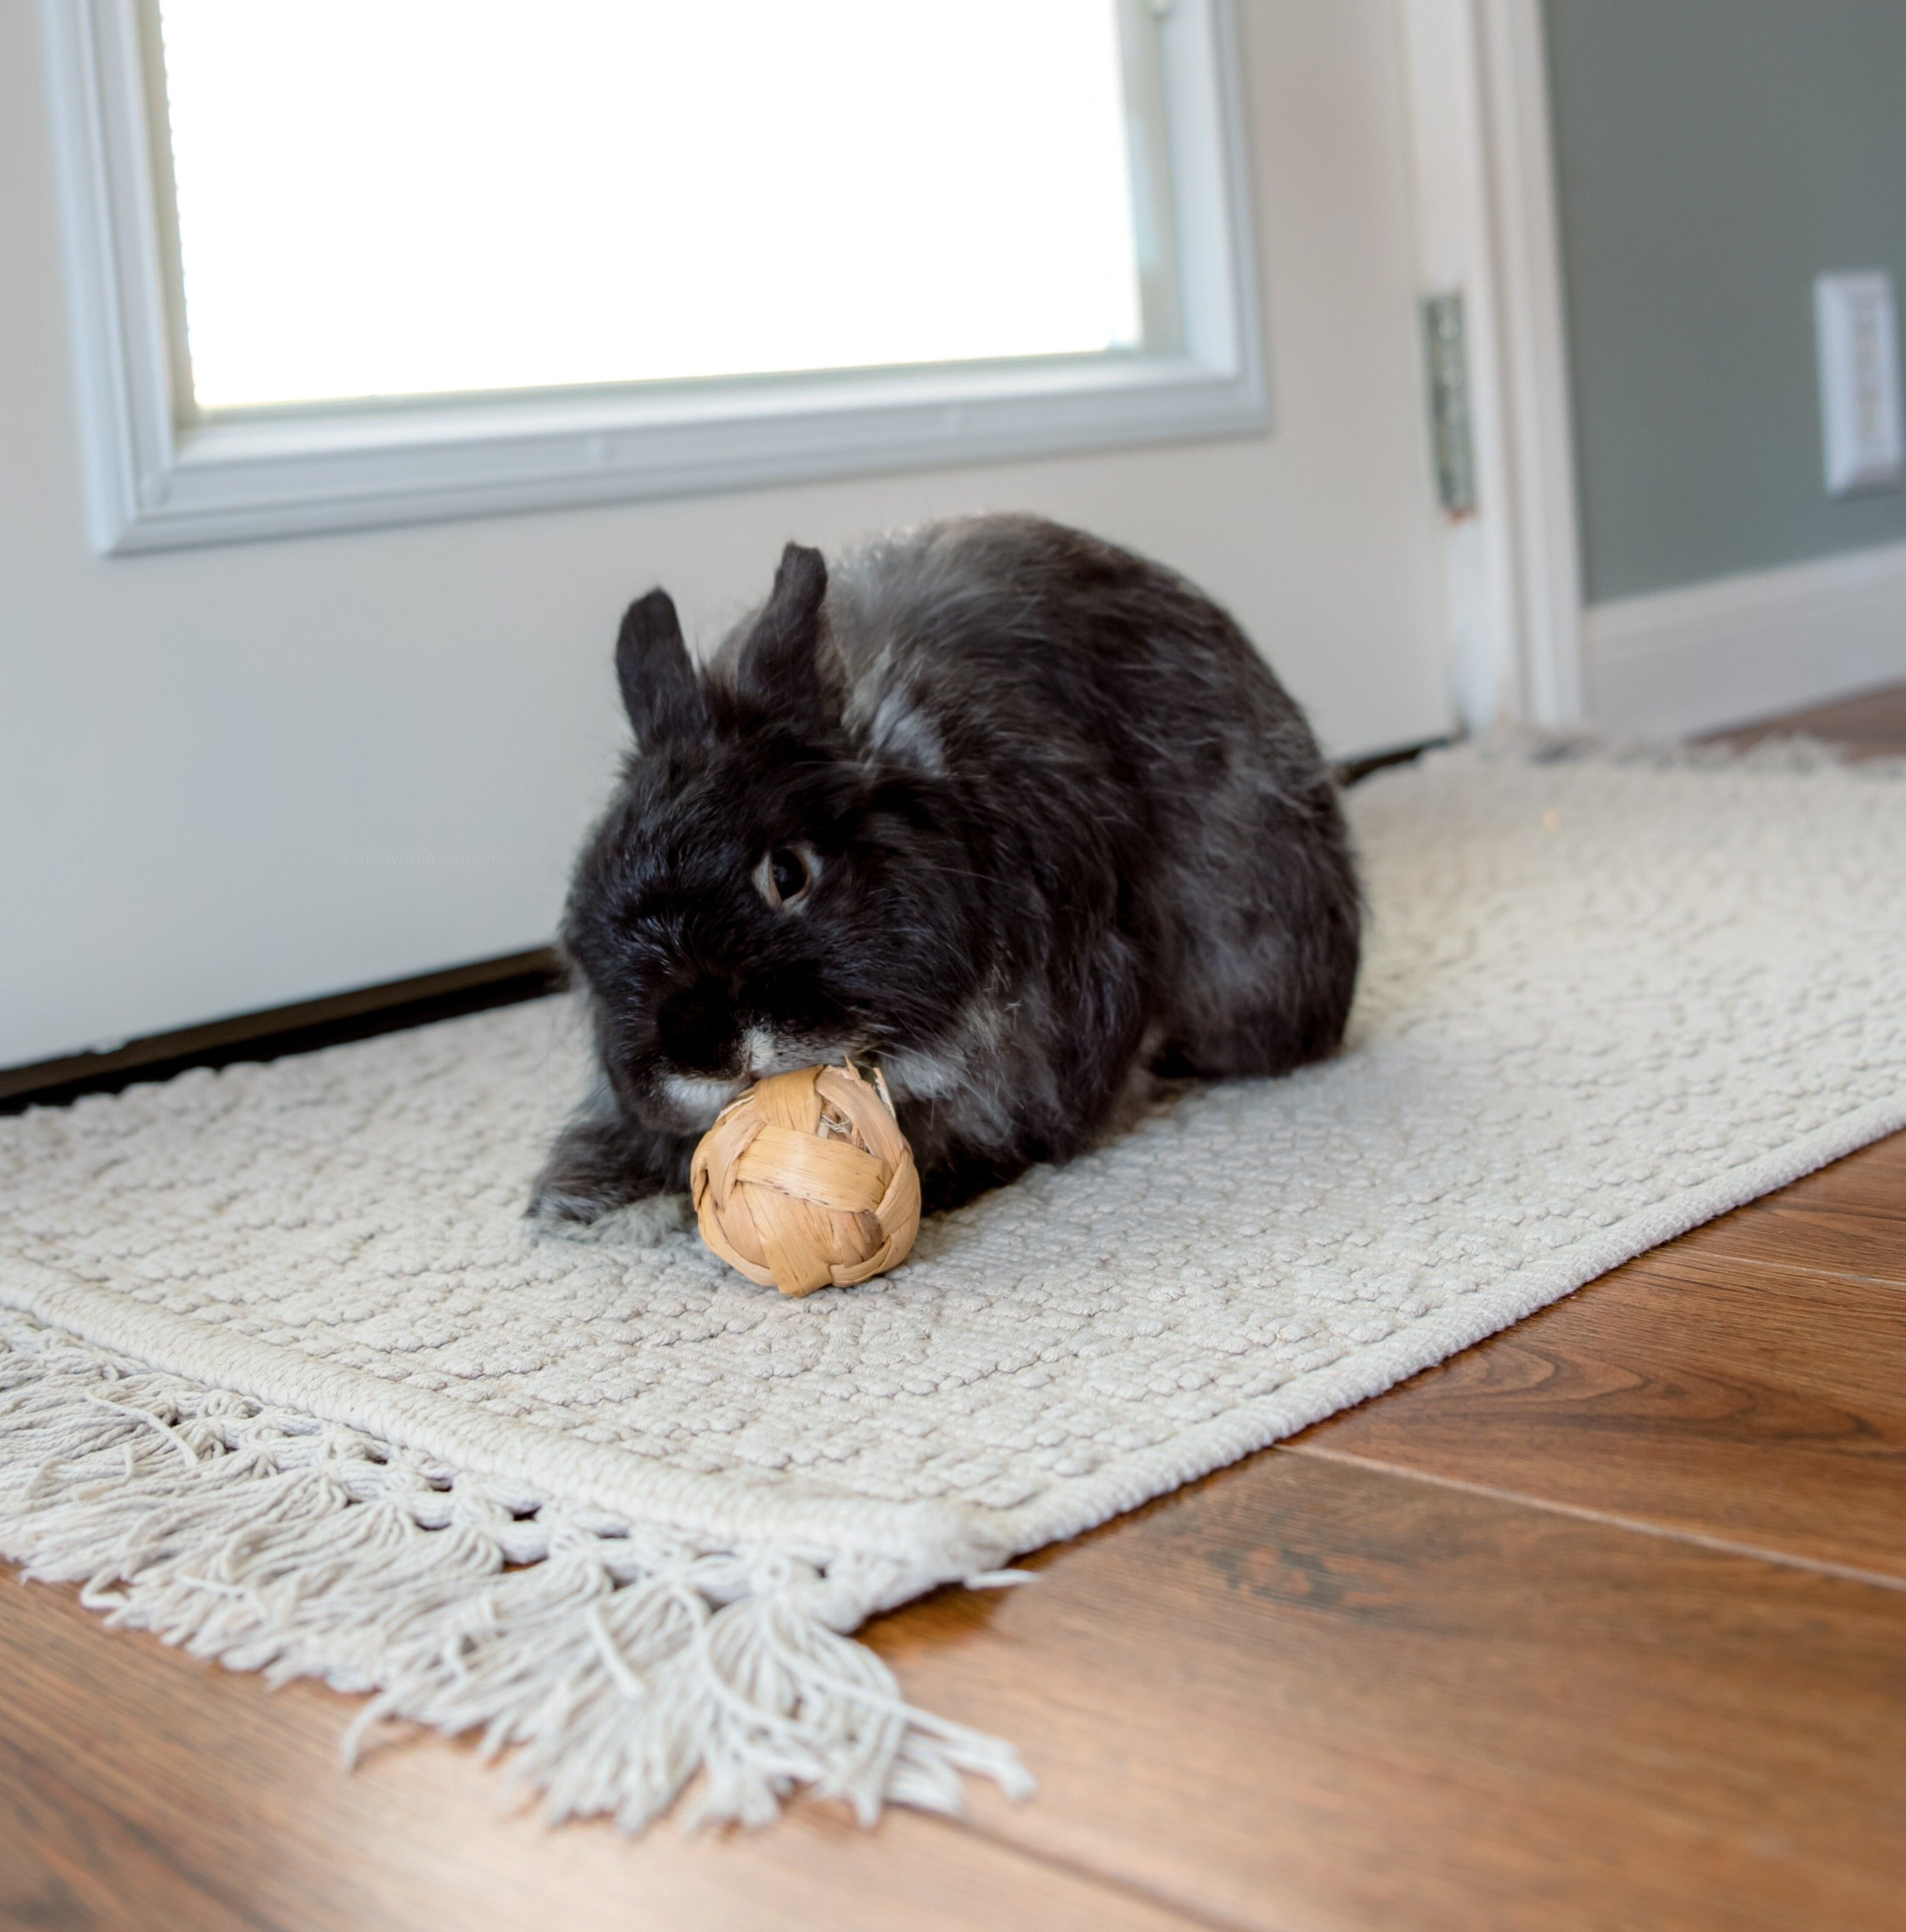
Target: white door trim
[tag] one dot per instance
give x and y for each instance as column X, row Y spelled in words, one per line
column 1697, row 658
column 1486, row 183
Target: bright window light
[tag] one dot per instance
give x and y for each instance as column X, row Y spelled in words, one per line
column 384, row 198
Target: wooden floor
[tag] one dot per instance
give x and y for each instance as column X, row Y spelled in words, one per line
column 1602, row 1624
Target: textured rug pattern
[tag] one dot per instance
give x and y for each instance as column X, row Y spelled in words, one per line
column 1603, row 1000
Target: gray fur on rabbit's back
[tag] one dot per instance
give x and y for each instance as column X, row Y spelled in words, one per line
column 1096, row 836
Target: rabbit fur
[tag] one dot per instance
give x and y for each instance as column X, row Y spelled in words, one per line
column 1014, row 814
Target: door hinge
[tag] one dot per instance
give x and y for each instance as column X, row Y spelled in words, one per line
column 1447, row 355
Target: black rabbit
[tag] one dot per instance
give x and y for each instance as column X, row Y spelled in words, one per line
column 1010, row 813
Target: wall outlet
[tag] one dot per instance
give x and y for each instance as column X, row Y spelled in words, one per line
column 1856, row 326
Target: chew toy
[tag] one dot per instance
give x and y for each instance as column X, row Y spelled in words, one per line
column 806, row 1180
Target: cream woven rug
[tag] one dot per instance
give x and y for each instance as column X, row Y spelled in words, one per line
column 287, row 1379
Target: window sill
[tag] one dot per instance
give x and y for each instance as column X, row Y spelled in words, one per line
column 274, row 476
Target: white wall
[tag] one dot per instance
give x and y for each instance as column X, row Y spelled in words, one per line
column 232, row 779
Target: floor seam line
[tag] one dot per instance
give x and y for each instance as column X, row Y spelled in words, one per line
column 1604, row 1519
column 1892, row 1282
column 1058, row 1861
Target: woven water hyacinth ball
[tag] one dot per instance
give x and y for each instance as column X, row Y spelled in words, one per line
column 806, row 1180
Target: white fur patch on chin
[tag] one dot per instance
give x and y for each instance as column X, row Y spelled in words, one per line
column 697, row 1100
column 767, row 1052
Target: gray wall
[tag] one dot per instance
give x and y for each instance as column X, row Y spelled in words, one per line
column 1713, row 157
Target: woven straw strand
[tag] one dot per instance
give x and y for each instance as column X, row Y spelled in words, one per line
column 806, row 1181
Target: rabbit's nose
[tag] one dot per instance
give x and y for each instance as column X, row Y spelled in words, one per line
column 696, row 1030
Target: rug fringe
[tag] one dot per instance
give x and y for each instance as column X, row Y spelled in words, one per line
column 621, row 1662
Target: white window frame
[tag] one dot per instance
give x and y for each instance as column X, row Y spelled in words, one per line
column 158, row 480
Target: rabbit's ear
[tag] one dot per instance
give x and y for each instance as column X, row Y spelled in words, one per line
column 778, row 666
column 660, row 692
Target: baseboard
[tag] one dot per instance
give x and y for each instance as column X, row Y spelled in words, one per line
column 278, row 1030
column 1741, row 648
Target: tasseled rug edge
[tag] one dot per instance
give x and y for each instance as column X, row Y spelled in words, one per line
column 621, row 1662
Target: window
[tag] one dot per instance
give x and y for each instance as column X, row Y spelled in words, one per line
column 379, row 260
column 517, row 203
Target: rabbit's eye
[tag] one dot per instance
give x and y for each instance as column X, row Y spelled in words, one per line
column 784, row 876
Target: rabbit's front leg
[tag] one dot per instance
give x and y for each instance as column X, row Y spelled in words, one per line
column 602, row 1160
column 960, row 1173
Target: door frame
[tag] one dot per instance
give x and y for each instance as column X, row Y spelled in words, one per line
column 1488, row 230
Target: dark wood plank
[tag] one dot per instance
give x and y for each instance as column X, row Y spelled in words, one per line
column 1870, row 725
column 1871, row 1182
column 143, row 1792
column 1715, row 1397
column 1840, row 1240
column 1303, row 1694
